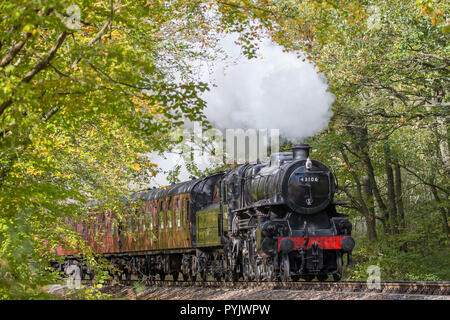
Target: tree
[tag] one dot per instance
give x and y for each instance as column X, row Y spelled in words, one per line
column 388, row 67
column 87, row 89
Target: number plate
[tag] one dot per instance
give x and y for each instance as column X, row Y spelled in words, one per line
column 309, row 179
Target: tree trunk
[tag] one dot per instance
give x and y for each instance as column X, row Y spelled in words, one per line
column 391, row 190
column 358, row 131
column 376, row 191
column 367, row 211
column 370, row 217
column 443, row 212
column 442, row 134
column 399, row 195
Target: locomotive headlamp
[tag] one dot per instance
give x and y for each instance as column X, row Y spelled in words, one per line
column 308, row 164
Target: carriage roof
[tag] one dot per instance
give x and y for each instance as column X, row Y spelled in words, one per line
column 174, row 189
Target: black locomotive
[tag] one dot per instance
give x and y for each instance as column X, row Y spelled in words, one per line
column 266, row 221
column 283, row 221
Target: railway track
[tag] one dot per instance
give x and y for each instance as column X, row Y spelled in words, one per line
column 391, row 287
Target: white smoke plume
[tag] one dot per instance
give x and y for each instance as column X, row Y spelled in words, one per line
column 277, row 90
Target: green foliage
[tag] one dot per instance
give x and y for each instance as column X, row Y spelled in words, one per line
column 402, row 257
column 388, row 67
column 82, row 100
column 87, row 88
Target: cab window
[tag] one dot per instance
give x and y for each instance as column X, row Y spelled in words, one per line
column 216, row 193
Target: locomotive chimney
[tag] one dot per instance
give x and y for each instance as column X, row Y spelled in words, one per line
column 301, row 151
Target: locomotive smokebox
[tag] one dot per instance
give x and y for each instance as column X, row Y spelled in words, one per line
column 301, row 151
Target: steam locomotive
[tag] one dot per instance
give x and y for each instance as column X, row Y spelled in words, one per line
column 265, row 222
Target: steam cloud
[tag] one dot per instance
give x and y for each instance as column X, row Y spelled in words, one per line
column 275, row 91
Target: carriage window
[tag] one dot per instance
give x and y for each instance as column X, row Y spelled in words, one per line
column 103, row 226
column 150, row 220
column 150, row 216
column 136, row 223
column 130, row 226
column 146, row 215
column 161, row 214
column 177, row 213
column 183, row 212
column 83, row 229
column 155, row 214
column 108, row 224
column 188, row 211
column 141, row 218
column 169, row 213
column 161, row 220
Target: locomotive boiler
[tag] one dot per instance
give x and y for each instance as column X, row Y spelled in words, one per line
column 265, row 221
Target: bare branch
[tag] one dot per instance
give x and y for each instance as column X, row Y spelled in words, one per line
column 13, row 51
column 101, row 32
column 424, row 181
column 42, row 64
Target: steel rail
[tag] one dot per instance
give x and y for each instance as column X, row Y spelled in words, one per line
column 399, row 287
